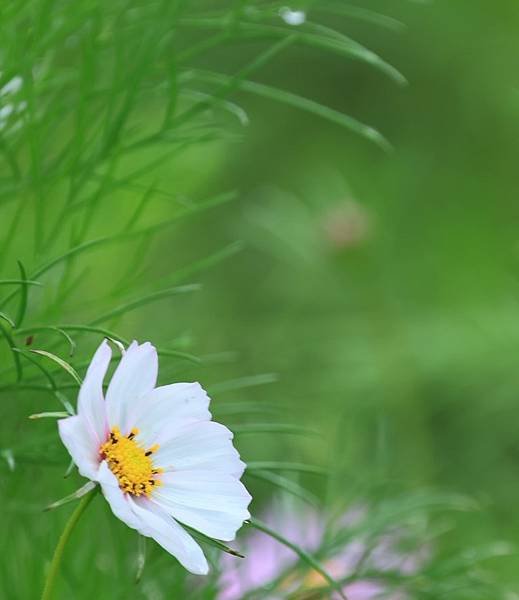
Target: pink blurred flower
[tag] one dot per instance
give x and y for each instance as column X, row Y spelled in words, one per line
column 346, row 225
column 266, row 559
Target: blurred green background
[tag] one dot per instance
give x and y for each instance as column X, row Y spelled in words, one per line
column 376, row 291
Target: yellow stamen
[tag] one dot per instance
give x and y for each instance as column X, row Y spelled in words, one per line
column 130, row 463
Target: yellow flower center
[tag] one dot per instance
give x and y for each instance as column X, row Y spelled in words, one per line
column 130, row 463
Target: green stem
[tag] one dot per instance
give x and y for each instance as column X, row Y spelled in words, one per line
column 58, row 553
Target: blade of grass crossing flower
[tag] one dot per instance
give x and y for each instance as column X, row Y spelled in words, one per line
column 79, row 367
column 302, row 554
column 89, row 486
column 53, row 389
column 25, row 353
column 49, row 415
column 62, row 363
column 212, row 542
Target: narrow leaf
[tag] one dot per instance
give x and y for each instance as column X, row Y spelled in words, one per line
column 288, row 428
column 90, row 485
column 8, row 319
column 286, row 485
column 241, row 408
column 62, row 363
column 141, row 557
column 178, row 354
column 82, row 491
column 8, row 456
column 121, row 310
column 99, row 330
column 206, row 262
column 362, row 14
column 243, row 383
column 303, row 555
column 212, row 542
column 119, row 345
column 286, row 466
column 19, row 281
column 301, row 103
column 51, row 414
column 61, row 331
column 69, row 469
column 22, row 308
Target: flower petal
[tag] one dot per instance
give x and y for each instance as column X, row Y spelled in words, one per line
column 117, row 500
column 134, row 377
column 91, row 405
column 210, row 502
column 203, row 445
column 150, row 520
column 81, row 444
column 367, row 590
column 158, row 525
column 167, row 409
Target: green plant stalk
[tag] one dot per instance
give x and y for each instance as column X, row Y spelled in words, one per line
column 58, row 553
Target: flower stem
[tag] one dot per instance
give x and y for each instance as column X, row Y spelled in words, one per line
column 58, row 553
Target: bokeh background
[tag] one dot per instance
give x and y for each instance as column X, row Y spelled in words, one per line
column 368, row 294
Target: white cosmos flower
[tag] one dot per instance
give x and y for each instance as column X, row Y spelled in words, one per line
column 159, row 458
